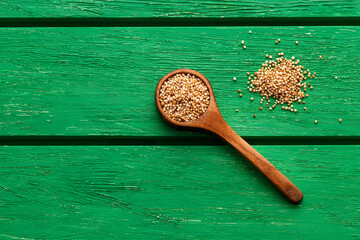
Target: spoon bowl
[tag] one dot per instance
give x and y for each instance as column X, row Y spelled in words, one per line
column 212, row 121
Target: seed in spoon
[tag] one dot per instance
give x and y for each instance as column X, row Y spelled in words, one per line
column 184, row 97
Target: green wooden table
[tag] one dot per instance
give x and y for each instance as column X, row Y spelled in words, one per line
column 85, row 155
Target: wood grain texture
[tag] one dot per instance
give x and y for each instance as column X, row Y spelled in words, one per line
column 172, row 8
column 177, row 192
column 101, row 81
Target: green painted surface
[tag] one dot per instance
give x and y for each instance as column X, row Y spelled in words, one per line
column 101, row 81
column 163, row 192
column 172, row 8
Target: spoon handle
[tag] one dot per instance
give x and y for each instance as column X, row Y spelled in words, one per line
column 281, row 182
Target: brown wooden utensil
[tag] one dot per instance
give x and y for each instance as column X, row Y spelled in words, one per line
column 212, row 121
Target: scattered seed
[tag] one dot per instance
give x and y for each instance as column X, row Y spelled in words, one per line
column 270, row 57
column 283, row 107
column 267, row 55
column 244, row 47
column 270, row 109
column 311, row 87
column 282, row 80
column 250, row 32
column 254, row 115
column 340, row 120
column 305, row 108
column 260, row 108
column 276, row 42
column 335, row 78
column 279, row 40
column 303, row 102
column 315, row 121
column 239, row 91
column 240, row 95
column 296, row 42
column 252, row 99
column 237, row 110
column 295, row 110
column 242, row 42
column 234, row 78
column 320, row 57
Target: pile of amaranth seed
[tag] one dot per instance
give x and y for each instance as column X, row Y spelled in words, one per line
column 283, row 80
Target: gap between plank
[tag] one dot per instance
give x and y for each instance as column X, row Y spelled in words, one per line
column 179, row 22
column 183, row 140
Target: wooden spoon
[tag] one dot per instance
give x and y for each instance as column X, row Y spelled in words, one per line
column 212, row 121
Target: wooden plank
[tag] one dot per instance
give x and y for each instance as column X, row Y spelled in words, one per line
column 172, row 8
column 101, row 81
column 176, row 192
